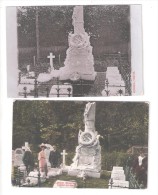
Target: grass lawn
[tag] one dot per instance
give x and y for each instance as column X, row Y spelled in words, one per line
column 89, row 183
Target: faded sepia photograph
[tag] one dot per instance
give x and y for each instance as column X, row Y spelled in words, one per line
column 74, row 51
column 79, row 144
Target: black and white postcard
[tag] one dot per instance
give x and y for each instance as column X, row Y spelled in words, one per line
column 79, row 51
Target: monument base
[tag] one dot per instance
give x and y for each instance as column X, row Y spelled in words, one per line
column 88, row 173
column 75, row 76
column 65, row 169
column 54, row 172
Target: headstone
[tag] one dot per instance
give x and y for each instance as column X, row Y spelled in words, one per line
column 31, row 74
column 118, row 173
column 51, row 57
column 114, row 84
column 64, row 155
column 88, row 153
column 79, row 62
column 65, row 184
column 22, row 170
column 118, row 176
column 118, row 179
column 26, row 80
column 25, row 146
column 18, row 157
column 117, row 168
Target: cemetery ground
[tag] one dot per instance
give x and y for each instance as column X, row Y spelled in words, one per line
column 87, row 183
column 109, row 159
column 122, row 125
column 96, row 64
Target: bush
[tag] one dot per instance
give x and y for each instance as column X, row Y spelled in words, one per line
column 113, row 159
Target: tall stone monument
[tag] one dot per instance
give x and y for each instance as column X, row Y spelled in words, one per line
column 87, row 159
column 79, row 62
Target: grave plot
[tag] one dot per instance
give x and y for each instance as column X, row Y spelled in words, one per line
column 81, row 66
column 87, row 144
column 118, row 179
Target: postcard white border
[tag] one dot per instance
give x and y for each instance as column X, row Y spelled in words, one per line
column 150, row 60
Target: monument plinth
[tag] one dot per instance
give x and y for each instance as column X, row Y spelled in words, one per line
column 79, row 62
column 87, row 159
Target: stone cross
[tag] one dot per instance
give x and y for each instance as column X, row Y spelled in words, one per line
column 64, row 155
column 51, row 56
column 25, row 146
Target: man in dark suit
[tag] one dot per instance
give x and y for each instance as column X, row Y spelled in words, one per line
column 54, row 158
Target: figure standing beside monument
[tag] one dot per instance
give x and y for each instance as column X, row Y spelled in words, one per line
column 54, row 158
column 28, row 160
column 42, row 159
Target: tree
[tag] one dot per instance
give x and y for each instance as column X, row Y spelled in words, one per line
column 58, row 122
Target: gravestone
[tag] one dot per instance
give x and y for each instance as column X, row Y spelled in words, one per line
column 26, row 146
column 18, row 154
column 79, row 62
column 118, row 178
column 23, row 171
column 117, row 168
column 64, row 158
column 116, row 85
column 51, row 57
column 65, row 184
column 118, row 173
column 87, row 159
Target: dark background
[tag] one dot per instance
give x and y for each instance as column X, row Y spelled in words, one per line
column 108, row 27
column 122, row 124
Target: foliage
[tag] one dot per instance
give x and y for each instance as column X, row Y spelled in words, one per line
column 114, row 159
column 55, row 22
column 122, row 124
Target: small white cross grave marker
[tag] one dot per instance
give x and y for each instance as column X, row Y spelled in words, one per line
column 51, row 56
column 64, row 155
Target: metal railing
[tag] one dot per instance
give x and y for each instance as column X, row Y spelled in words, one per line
column 19, row 178
column 79, row 88
column 131, row 177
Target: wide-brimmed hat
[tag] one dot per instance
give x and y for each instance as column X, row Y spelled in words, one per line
column 43, row 145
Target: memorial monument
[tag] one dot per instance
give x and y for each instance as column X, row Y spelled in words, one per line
column 79, row 62
column 87, row 160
